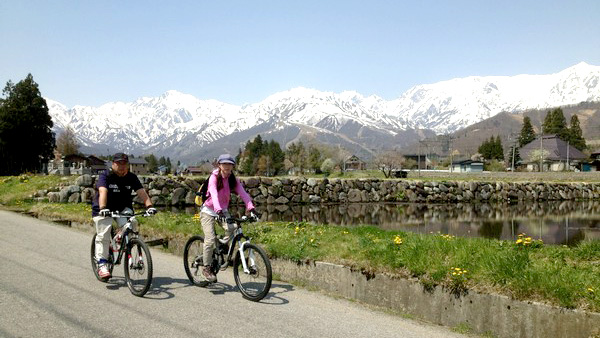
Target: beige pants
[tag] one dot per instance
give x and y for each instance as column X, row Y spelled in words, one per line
column 103, row 225
column 208, row 227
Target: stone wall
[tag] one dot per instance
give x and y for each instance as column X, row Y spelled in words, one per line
column 181, row 191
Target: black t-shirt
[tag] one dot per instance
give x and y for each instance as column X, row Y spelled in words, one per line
column 119, row 191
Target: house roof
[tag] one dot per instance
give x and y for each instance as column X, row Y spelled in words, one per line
column 555, row 148
column 465, row 162
column 137, row 160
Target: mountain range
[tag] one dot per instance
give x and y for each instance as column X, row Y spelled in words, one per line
column 185, row 128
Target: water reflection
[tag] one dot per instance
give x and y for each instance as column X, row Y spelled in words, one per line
column 555, row 222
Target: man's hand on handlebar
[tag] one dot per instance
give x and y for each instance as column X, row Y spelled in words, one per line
column 104, row 213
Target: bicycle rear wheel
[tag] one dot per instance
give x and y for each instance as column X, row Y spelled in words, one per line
column 193, row 260
column 254, row 284
column 95, row 262
column 138, row 267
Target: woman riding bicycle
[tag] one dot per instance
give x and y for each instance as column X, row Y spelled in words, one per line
column 221, row 184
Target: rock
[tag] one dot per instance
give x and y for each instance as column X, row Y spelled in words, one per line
column 192, row 184
column 87, row 195
column 154, row 192
column 190, row 198
column 53, row 197
column 84, row 181
column 354, row 195
column 314, row 199
column 252, row 182
column 282, row 200
column 311, row 182
column 74, row 198
column 178, row 197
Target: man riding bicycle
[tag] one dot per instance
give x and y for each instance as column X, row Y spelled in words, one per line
column 113, row 194
column 221, row 184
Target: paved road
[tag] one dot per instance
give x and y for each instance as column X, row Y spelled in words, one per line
column 47, row 289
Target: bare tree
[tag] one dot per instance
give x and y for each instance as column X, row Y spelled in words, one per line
column 389, row 161
column 66, row 142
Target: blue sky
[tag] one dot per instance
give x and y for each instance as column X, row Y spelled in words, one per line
column 93, row 52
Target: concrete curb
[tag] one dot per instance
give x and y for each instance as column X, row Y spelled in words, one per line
column 483, row 313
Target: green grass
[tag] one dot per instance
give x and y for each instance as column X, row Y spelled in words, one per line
column 568, row 277
column 559, row 275
column 14, row 189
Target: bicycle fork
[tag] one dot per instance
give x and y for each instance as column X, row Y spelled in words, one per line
column 250, row 257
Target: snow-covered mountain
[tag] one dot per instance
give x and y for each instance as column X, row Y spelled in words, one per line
column 183, row 127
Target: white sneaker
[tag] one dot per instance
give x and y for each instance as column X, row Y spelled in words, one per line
column 103, row 271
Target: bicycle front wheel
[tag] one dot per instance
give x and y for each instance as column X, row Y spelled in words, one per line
column 192, row 260
column 138, row 267
column 254, row 284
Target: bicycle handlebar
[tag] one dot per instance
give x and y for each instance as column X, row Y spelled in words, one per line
column 116, row 214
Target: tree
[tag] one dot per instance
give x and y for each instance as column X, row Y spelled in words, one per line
column 389, row 161
column 66, row 142
column 327, row 166
column 26, row 137
column 492, row 149
column 152, row 163
column 555, row 123
column 538, row 156
column 314, row 159
column 296, row 153
column 527, row 134
column 277, row 156
column 498, row 150
column 576, row 135
column 261, row 157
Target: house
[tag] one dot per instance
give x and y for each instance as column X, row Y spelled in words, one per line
column 138, row 166
column 554, row 153
column 76, row 164
column 466, row 166
column 354, row 163
column 423, row 161
column 200, row 170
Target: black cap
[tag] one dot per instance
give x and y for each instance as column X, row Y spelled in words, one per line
column 120, row 157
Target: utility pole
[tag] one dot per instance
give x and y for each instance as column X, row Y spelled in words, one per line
column 419, row 159
column 542, row 150
column 568, row 164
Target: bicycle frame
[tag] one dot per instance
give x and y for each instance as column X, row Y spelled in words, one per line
column 126, row 230
column 239, row 238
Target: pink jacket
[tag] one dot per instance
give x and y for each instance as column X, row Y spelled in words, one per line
column 224, row 195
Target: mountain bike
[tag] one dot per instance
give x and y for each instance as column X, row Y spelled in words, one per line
column 251, row 266
column 126, row 242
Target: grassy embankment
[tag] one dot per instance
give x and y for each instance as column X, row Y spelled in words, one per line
column 526, row 269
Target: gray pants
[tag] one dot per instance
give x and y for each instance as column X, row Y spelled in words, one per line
column 208, row 227
column 103, row 225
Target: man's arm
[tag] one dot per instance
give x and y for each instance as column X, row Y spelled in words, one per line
column 102, row 197
column 144, row 197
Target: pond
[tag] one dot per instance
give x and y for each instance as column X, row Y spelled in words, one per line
column 555, row 222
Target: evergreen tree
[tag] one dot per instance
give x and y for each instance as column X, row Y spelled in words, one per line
column 527, row 134
column 277, row 157
column 314, row 159
column 576, row 135
column 152, row 163
column 26, row 137
column 498, row 151
column 492, row 149
column 555, row 123
column 66, row 143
